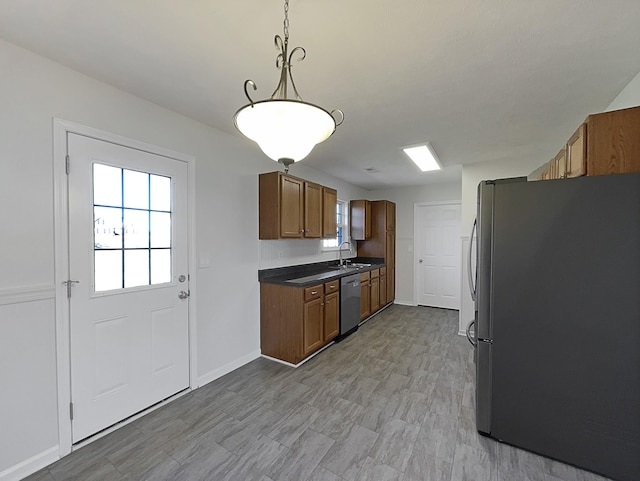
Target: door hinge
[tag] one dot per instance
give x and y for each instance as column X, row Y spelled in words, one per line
column 71, row 411
column 69, row 283
column 66, row 165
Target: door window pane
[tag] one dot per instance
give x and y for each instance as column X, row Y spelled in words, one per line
column 160, row 266
column 160, row 229
column 108, row 270
column 132, row 228
column 160, row 193
column 136, row 189
column 107, row 185
column 136, row 228
column 107, row 223
column 136, row 268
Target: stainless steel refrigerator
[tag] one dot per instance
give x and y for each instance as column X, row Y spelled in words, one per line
column 557, row 319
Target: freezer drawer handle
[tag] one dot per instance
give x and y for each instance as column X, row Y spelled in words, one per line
column 470, row 336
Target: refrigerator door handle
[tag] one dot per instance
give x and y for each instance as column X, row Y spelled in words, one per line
column 471, row 337
column 472, row 282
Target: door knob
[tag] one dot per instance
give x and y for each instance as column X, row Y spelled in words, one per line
column 420, row 261
column 184, row 295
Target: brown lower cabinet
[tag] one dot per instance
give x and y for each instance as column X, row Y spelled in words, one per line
column 374, row 286
column 373, row 291
column 297, row 321
column 365, row 295
column 383, row 287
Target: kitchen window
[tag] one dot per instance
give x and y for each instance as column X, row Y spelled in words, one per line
column 342, row 223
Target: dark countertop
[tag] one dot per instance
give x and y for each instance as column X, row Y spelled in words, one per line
column 311, row 274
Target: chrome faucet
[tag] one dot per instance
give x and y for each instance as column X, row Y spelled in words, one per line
column 341, row 262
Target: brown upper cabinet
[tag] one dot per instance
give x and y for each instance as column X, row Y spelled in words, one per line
column 613, row 142
column 382, row 243
column 560, row 162
column 293, row 208
column 313, row 202
column 360, row 219
column 606, row 143
column 576, row 152
column 330, row 201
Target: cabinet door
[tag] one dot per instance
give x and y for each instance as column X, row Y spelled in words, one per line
column 312, row 210
column 391, row 216
column 313, row 332
column 329, row 203
column 360, row 219
column 390, row 261
column 545, row 173
column 383, row 290
column 374, row 298
column 577, row 153
column 367, row 220
column 365, row 292
column 291, row 213
column 331, row 316
column 560, row 161
column 613, row 143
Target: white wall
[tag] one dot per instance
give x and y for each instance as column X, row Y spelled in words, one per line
column 34, row 91
column 628, row 97
column 405, row 198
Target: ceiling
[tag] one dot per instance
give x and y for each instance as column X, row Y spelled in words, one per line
column 481, row 80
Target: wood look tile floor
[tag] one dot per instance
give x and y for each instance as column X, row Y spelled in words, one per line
column 393, row 402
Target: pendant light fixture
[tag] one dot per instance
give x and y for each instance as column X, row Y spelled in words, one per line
column 286, row 129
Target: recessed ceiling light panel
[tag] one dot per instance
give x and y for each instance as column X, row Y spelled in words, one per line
column 424, row 157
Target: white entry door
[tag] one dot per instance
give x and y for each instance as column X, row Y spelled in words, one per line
column 128, row 263
column 438, row 255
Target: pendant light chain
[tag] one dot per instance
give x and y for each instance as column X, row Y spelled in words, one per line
column 286, row 20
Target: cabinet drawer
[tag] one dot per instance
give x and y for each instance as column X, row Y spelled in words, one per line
column 383, row 271
column 374, row 273
column 332, row 286
column 313, row 292
column 365, row 276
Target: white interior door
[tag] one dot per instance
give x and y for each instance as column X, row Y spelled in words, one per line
column 438, row 255
column 128, row 263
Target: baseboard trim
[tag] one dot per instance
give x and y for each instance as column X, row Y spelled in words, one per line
column 227, row 368
column 405, row 303
column 31, row 465
column 16, row 295
column 280, row 361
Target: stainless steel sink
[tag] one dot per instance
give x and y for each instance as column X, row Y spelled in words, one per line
column 352, row 266
column 333, row 272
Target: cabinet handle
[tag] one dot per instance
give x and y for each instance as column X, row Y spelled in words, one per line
column 332, row 287
column 314, row 292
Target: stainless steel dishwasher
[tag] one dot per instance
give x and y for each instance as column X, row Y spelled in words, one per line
column 349, row 304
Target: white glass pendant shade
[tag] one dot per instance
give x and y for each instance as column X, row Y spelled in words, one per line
column 285, row 129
